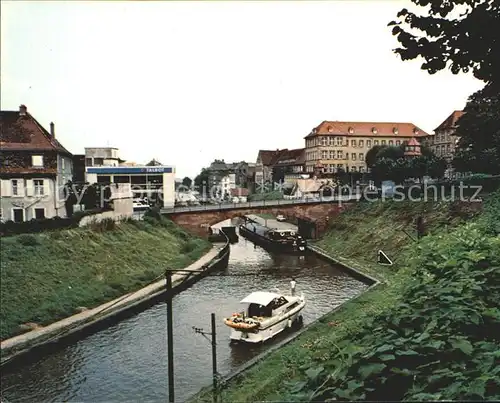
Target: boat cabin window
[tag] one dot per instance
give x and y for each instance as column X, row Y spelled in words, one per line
column 259, row 310
column 277, row 302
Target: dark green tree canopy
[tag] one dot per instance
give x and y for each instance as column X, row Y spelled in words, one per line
column 187, row 182
column 479, row 130
column 461, row 34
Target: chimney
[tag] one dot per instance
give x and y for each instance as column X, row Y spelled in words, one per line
column 52, row 130
column 23, row 110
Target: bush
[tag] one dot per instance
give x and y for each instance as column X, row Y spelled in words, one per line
column 27, row 240
column 440, row 342
column 45, row 224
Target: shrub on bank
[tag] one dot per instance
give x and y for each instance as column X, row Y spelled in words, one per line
column 10, row 227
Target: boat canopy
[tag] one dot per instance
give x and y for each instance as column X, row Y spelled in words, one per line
column 260, row 297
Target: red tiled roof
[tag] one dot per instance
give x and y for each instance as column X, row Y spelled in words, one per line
column 450, row 121
column 292, row 157
column 25, row 133
column 368, row 129
column 413, row 142
column 269, row 157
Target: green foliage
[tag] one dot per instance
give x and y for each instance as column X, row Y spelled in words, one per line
column 455, row 33
column 27, row 240
column 187, row 182
column 387, row 168
column 479, row 130
column 439, row 342
column 273, row 195
column 202, row 179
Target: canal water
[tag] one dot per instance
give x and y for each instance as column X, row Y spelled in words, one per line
column 127, row 362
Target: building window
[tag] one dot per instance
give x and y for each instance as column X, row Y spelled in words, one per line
column 361, row 169
column 98, row 162
column 37, row 160
column 398, row 143
column 38, row 187
column 353, row 169
column 353, row 156
column 353, row 143
column 374, row 130
column 15, row 187
column 340, row 154
column 361, row 157
column 391, row 143
column 332, row 154
column 63, row 163
column 39, row 213
column 340, row 166
column 383, row 142
column 368, row 143
column 375, row 142
column 88, row 162
column 17, row 214
column 361, row 143
column 330, row 140
column 338, row 141
column 324, row 155
column 351, row 130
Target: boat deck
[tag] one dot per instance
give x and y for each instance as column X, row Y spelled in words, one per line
column 272, row 223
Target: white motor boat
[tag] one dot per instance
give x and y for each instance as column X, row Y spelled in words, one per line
column 266, row 315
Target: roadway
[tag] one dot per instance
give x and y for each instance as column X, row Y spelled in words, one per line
column 260, row 203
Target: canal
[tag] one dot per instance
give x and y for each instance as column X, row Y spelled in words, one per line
column 128, row 361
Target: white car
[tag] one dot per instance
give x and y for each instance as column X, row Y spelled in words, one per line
column 139, row 204
column 280, row 217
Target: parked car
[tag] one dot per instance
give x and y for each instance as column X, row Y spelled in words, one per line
column 139, row 205
column 280, row 217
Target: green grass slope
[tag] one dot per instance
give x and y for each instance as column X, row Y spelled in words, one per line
column 354, row 238
column 45, row 277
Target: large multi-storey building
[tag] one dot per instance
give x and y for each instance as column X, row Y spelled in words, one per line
column 34, row 168
column 444, row 140
column 337, row 145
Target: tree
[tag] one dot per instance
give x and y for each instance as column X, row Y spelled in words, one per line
column 478, row 149
column 454, row 33
column 202, row 178
column 463, row 40
column 371, row 155
column 187, row 182
column 391, row 152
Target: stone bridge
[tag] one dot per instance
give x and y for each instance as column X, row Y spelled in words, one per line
column 198, row 222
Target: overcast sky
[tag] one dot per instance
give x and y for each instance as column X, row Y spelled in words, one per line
column 187, row 82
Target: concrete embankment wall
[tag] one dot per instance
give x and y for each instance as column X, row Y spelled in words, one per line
column 100, row 316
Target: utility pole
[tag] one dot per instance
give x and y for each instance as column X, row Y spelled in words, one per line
column 170, row 338
column 213, row 342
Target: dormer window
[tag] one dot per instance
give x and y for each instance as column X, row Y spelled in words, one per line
column 374, row 130
column 395, row 130
column 314, row 131
column 37, row 160
column 351, row 130
column 330, row 129
column 415, row 130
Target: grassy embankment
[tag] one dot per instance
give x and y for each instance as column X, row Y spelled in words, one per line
column 318, row 362
column 45, row 277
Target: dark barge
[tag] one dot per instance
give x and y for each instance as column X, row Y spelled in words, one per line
column 276, row 240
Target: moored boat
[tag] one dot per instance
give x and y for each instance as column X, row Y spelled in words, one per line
column 282, row 240
column 266, row 315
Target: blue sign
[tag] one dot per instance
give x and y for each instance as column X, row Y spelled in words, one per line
column 129, row 170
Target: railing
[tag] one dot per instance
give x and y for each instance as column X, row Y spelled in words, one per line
column 260, row 203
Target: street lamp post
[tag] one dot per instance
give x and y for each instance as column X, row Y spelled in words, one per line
column 170, row 338
column 213, row 342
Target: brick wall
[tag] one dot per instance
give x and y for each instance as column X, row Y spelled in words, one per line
column 198, row 222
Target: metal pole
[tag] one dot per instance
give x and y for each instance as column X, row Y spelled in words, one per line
column 170, row 339
column 214, row 359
